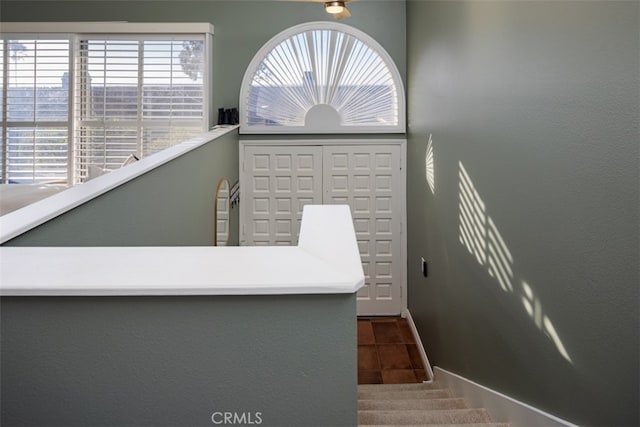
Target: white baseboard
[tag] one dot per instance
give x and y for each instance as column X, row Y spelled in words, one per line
column 501, row 407
column 423, row 354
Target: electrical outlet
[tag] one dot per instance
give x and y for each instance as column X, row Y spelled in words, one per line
column 423, row 267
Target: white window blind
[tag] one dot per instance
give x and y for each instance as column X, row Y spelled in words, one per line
column 2, row 116
column 35, row 117
column 70, row 101
column 136, row 95
column 326, row 70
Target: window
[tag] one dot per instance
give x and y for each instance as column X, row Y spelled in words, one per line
column 35, row 120
column 85, row 100
column 322, row 77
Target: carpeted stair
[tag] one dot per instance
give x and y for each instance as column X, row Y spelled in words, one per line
column 417, row 405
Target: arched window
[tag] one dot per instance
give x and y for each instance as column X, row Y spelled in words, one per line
column 322, row 77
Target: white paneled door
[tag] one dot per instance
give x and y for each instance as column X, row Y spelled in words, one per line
column 277, row 181
column 367, row 179
column 277, row 186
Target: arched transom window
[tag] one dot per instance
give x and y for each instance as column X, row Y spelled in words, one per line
column 322, row 77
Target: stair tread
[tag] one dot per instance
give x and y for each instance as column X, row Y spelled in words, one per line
column 433, row 411
column 405, row 394
column 446, row 416
column 439, row 425
column 406, row 386
column 424, row 404
column 418, row 404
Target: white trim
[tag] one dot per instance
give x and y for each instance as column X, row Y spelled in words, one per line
column 336, row 141
column 21, row 220
column 3, row 101
column 403, row 237
column 241, row 215
column 108, row 27
column 310, row 26
column 501, row 407
column 423, row 354
column 73, row 53
column 207, row 78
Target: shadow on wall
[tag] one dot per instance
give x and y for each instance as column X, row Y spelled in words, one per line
column 481, row 237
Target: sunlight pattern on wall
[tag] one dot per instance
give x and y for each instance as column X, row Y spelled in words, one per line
column 473, row 223
column 429, row 166
column 481, row 237
column 499, row 258
column 534, row 309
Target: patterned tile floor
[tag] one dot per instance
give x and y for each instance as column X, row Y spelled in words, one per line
column 387, row 352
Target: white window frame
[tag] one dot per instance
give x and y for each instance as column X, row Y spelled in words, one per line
column 35, row 123
column 367, row 40
column 74, row 31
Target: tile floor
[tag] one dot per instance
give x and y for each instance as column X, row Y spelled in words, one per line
column 387, row 352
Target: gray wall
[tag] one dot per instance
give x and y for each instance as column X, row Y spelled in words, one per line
column 538, row 101
column 143, row 215
column 171, row 205
column 173, row 361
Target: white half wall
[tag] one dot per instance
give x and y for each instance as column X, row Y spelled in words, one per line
column 501, row 407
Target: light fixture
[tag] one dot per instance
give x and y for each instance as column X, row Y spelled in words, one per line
column 334, row 7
